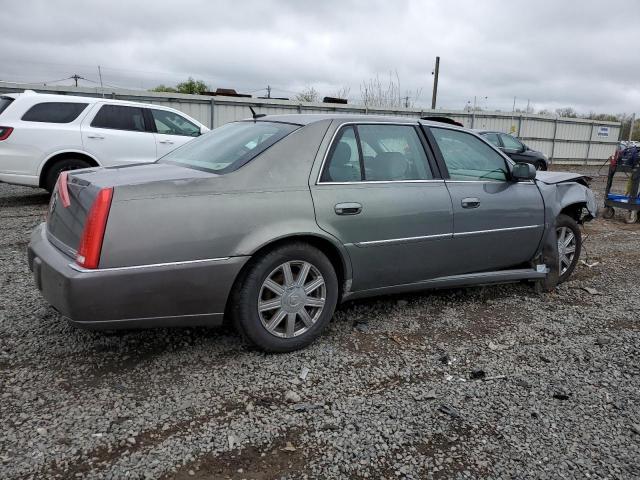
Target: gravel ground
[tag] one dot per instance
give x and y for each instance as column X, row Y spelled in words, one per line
column 389, row 390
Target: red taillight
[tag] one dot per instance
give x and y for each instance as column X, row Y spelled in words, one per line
column 5, row 132
column 88, row 255
column 63, row 189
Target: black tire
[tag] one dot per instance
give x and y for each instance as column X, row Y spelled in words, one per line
column 540, row 165
column 247, row 291
column 569, row 223
column 51, row 177
column 608, row 212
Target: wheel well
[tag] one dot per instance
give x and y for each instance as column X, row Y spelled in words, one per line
column 64, row 156
column 325, row 246
column 574, row 211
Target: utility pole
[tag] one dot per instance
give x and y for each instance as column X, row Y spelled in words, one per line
column 512, row 128
column 100, row 76
column 527, row 106
column 268, row 91
column 406, row 102
column 633, row 121
column 435, row 84
column 76, row 77
column 473, row 115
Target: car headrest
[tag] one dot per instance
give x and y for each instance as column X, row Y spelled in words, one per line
column 342, row 154
column 388, row 166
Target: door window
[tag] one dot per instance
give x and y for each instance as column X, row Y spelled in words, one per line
column 54, row 112
column 469, row 158
column 119, row 117
column 389, row 153
column 492, row 138
column 344, row 160
column 511, row 143
column 170, row 123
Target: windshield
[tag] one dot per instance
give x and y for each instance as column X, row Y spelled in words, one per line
column 229, row 147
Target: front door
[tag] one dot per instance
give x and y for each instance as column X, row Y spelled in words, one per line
column 498, row 223
column 378, row 195
column 118, row 135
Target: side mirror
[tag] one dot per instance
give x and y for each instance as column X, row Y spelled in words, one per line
column 523, row 172
column 524, row 148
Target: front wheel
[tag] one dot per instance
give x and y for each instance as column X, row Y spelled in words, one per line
column 540, row 166
column 569, row 239
column 286, row 298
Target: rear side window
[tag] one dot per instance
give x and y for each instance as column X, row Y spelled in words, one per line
column 54, row 112
column 4, row 103
column 378, row 153
column 170, row 123
column 118, row 117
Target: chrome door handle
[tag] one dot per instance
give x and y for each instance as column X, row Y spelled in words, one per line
column 470, row 202
column 97, row 137
column 351, row 208
column 168, row 142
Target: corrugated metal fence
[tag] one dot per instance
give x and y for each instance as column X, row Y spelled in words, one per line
column 563, row 140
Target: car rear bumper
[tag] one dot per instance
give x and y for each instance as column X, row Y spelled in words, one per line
column 28, row 180
column 163, row 295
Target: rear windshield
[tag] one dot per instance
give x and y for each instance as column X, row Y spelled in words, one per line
column 227, row 148
column 4, row 103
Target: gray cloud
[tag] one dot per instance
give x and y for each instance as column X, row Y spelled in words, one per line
column 570, row 53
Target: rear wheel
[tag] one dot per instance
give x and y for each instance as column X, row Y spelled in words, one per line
column 631, row 216
column 608, row 212
column 51, row 177
column 569, row 239
column 286, row 298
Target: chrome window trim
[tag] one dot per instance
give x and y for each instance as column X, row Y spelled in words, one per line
column 439, row 180
column 368, row 122
column 78, row 268
column 493, row 230
column 525, row 182
column 371, row 243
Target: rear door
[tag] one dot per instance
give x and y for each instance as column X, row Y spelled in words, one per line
column 171, row 130
column 118, row 134
column 498, row 223
column 379, row 194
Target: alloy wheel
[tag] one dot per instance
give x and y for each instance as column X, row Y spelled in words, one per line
column 566, row 248
column 291, row 299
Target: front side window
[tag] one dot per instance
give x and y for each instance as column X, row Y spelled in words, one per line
column 119, row 117
column 227, row 148
column 54, row 112
column 511, row 143
column 386, row 153
column 170, row 123
column 469, row 158
column 492, row 138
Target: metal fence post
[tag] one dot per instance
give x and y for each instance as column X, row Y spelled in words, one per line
column 553, row 141
column 213, row 110
column 586, row 160
column 519, row 125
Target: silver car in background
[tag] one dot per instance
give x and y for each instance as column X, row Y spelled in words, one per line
column 273, row 221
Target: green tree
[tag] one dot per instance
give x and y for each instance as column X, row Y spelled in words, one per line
column 192, row 86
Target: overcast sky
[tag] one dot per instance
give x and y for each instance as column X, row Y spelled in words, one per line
column 556, row 53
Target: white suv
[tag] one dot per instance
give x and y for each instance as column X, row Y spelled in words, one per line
column 42, row 135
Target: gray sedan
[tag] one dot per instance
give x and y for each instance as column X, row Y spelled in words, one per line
column 272, row 222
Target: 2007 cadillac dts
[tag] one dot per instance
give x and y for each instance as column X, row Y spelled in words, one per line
column 273, row 221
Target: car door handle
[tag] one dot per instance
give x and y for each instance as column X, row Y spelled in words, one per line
column 96, row 137
column 168, row 142
column 470, row 202
column 351, row 208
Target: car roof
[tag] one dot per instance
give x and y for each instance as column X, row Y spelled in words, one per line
column 74, row 98
column 309, row 118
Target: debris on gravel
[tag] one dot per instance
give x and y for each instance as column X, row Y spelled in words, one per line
column 377, row 401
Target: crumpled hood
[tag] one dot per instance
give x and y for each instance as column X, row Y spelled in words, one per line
column 551, row 178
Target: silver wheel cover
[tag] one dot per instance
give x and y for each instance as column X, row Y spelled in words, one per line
column 291, row 299
column 566, row 248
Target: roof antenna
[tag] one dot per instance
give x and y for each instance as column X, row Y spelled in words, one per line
column 256, row 115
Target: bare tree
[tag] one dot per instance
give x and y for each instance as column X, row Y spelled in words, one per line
column 380, row 94
column 309, row 94
column 342, row 92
